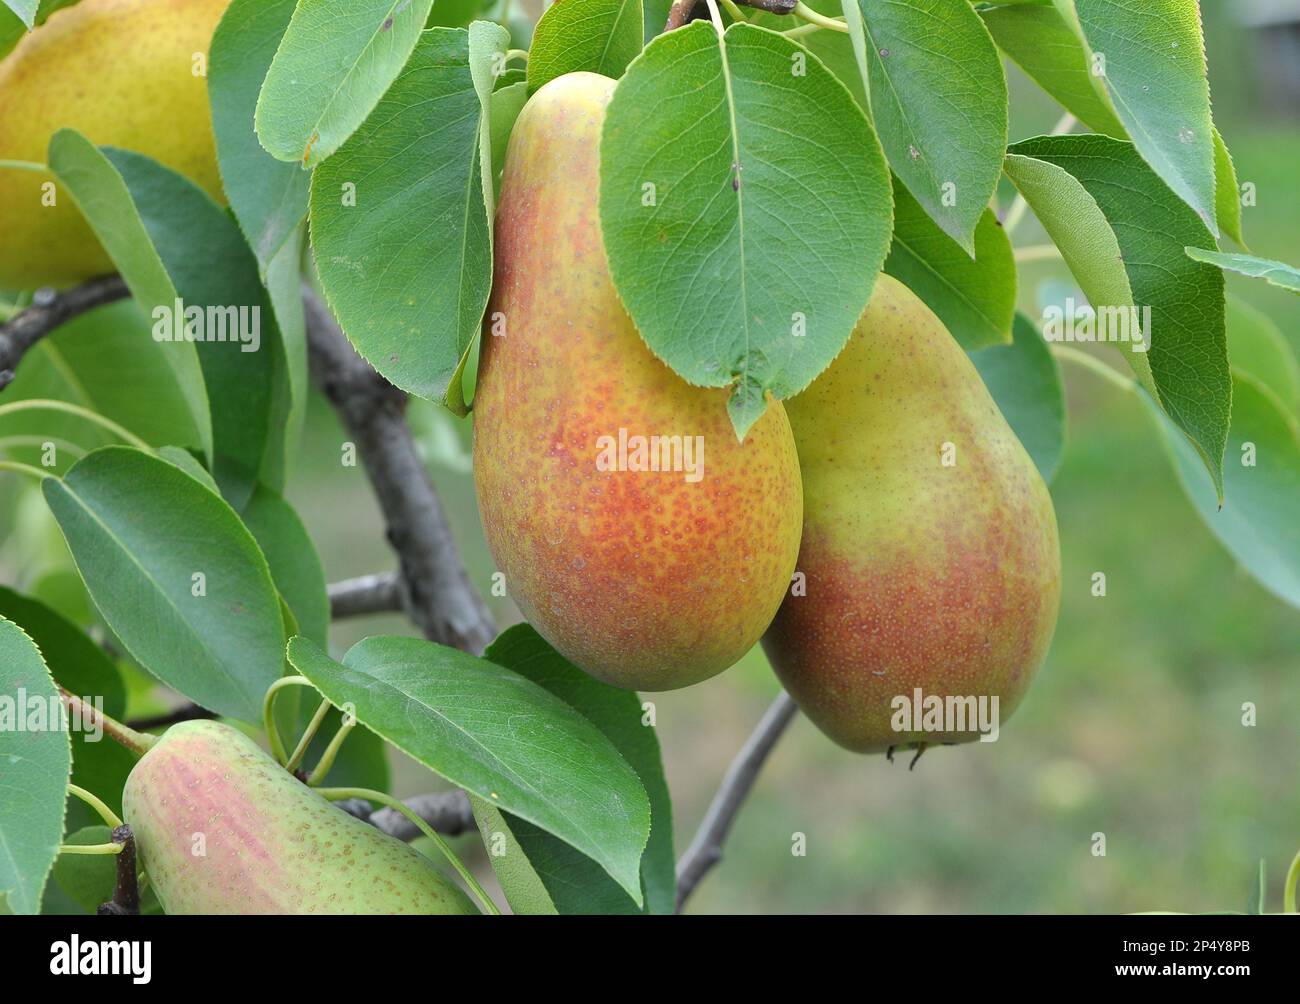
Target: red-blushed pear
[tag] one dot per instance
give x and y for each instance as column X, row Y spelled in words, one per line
column 648, row 579
column 127, row 73
column 930, row 554
column 224, row 829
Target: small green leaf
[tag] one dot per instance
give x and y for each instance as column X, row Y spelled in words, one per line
column 294, row 563
column 37, row 759
column 1257, row 348
column 1026, row 384
column 505, row 106
column 499, row 736
column 600, row 36
column 939, row 102
column 105, row 201
column 1040, row 42
column 1154, row 72
column 974, row 297
column 1257, row 522
column 140, row 531
column 400, row 223
column 552, row 876
column 332, row 66
column 1227, row 196
column 1122, row 231
column 213, row 271
column 268, row 196
column 745, row 208
column 25, row 9
column 1276, row 273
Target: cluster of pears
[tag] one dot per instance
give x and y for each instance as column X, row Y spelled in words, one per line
column 126, row 73
column 922, row 535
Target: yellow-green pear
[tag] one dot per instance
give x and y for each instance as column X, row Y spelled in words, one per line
column 649, row 579
column 127, row 73
column 930, row 563
column 224, row 829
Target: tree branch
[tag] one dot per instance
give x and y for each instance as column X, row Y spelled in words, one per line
column 126, row 892
column 185, row 713
column 436, row 591
column 367, row 594
column 448, row 812
column 706, row 849
column 48, row 310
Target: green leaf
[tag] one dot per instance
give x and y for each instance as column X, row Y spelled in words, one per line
column 1154, row 60
column 12, row 28
column 1276, row 273
column 82, row 668
column 407, row 268
column 599, row 36
column 294, row 563
column 268, row 196
column 939, row 102
column 497, row 735
column 105, row 361
column 554, row 877
column 37, row 758
column 504, row 108
column 1257, row 348
column 214, row 271
column 1227, row 193
column 104, row 200
column 1040, row 42
column 1026, row 384
column 974, row 297
column 1118, row 225
column 770, row 215
column 333, row 65
column 88, row 879
column 25, row 9
column 139, row 530
column 1257, row 523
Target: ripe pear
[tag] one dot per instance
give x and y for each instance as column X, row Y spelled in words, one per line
column 930, row 554
column 127, row 73
column 646, row 579
column 222, row 829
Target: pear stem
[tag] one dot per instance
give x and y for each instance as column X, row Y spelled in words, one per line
column 337, row 794
column 331, row 751
column 138, row 743
column 21, row 468
column 308, row 735
column 1094, row 365
column 42, row 404
column 806, row 13
column 90, row 848
column 1289, row 887
column 268, row 713
column 96, row 803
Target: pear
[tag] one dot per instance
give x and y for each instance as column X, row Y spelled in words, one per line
column 223, row 829
column 127, row 73
column 649, row 579
column 930, row 558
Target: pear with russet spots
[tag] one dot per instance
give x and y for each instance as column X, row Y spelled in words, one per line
column 930, row 556
column 646, row 579
column 223, row 829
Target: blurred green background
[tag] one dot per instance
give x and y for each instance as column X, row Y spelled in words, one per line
column 1133, row 728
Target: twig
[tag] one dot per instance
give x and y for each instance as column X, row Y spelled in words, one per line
column 367, row 594
column 48, row 310
column 185, row 713
column 126, row 894
column 681, row 10
column 436, row 590
column 448, row 812
column 706, row 849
